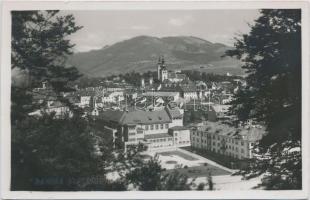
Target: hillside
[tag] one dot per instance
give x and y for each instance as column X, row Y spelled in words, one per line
column 141, row 54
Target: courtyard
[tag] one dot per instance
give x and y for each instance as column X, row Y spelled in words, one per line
column 198, row 168
column 189, row 164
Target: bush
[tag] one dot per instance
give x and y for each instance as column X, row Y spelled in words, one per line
column 201, row 186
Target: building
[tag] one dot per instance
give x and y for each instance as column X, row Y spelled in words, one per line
column 189, row 92
column 173, row 96
column 163, row 73
column 226, row 140
column 157, row 129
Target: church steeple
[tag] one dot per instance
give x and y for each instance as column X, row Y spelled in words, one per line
column 162, row 61
column 162, row 72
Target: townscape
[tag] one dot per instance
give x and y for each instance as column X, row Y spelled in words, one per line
column 154, row 114
column 173, row 127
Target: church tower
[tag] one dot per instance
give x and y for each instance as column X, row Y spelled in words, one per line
column 162, row 72
column 159, row 68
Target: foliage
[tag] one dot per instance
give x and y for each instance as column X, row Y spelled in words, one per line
column 48, row 148
column 47, row 153
column 40, row 46
column 271, row 54
column 207, row 77
column 134, row 78
column 150, row 176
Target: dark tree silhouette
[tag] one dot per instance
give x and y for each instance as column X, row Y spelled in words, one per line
column 271, row 54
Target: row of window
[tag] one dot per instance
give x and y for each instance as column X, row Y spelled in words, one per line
column 156, row 126
column 218, row 144
column 227, row 140
column 228, row 153
column 159, row 146
column 160, row 140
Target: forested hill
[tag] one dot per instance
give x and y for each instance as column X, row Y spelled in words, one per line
column 141, row 54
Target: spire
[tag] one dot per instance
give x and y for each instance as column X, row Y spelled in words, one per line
column 162, row 60
column 159, row 60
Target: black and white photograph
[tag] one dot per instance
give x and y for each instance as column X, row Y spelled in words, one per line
column 166, row 99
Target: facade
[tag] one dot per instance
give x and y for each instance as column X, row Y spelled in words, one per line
column 151, row 128
column 225, row 140
column 190, row 92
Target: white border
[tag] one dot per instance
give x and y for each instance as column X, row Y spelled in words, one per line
column 148, row 5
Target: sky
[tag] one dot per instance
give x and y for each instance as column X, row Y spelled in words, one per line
column 106, row 27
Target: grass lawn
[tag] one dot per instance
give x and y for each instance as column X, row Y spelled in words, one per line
column 178, row 153
column 200, row 171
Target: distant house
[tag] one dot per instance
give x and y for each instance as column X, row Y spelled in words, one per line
column 189, row 92
column 174, row 96
column 56, row 107
column 221, row 110
column 86, row 97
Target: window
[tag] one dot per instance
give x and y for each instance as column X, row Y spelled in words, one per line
column 242, row 143
column 166, row 125
column 146, row 127
column 152, row 126
column 175, row 134
column 242, row 151
column 156, row 126
column 131, row 133
column 161, row 126
column 213, row 137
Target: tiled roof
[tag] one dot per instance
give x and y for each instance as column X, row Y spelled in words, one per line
column 44, row 94
column 188, row 88
column 175, row 112
column 250, row 133
column 136, row 116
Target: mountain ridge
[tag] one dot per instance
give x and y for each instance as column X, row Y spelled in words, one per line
column 140, row 53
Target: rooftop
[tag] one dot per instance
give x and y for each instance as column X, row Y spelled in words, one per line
column 247, row 133
column 136, row 116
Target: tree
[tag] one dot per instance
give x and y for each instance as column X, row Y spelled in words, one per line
column 54, row 154
column 40, row 46
column 150, row 176
column 271, row 54
column 46, row 147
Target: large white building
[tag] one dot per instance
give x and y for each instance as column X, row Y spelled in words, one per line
column 156, row 129
column 226, row 140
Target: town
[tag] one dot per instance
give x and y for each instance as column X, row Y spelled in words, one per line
column 153, row 100
column 165, row 113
